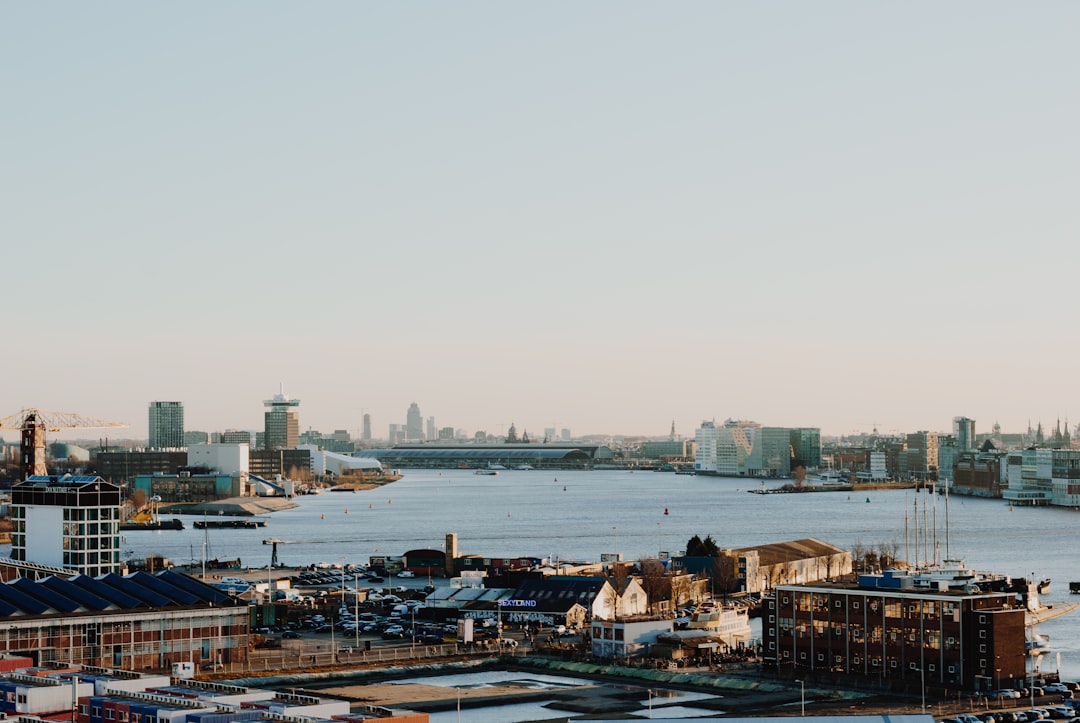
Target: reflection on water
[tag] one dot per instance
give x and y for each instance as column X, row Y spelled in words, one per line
column 495, row 678
column 678, row 711
column 517, row 713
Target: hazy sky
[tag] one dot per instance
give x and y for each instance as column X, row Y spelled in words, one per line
column 597, row 215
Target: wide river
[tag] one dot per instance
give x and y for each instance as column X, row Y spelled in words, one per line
column 576, row 516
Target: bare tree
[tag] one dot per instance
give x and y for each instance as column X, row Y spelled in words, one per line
column 725, row 573
column 858, row 554
column 655, row 581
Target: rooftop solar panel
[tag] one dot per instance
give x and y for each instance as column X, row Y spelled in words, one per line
column 174, row 594
column 22, row 602
column 142, row 594
column 204, row 592
column 117, row 597
column 87, row 599
column 46, row 594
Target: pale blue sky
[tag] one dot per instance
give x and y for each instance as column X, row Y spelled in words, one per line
column 607, row 215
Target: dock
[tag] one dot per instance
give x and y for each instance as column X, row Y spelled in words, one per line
column 1049, row 612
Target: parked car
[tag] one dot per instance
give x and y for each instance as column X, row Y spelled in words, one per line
column 1006, row 693
column 406, row 573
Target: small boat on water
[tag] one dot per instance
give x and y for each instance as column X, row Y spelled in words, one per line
column 1037, row 644
column 486, row 470
column 1074, row 587
column 1044, row 586
column 171, row 524
column 218, row 524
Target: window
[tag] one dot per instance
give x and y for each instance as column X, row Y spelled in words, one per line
column 855, row 605
column 982, row 634
column 837, row 604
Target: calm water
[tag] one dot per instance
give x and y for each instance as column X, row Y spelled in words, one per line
column 581, row 515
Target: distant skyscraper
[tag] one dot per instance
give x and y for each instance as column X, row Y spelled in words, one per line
column 166, row 425
column 964, row 432
column 281, row 422
column 430, row 429
column 366, row 434
column 414, row 424
column 396, row 434
column 233, row 436
column 192, row 437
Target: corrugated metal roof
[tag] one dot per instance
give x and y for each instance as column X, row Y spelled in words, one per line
column 780, row 552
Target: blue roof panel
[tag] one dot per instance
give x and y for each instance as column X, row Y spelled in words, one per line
column 174, row 594
column 55, row 600
column 142, row 594
column 87, row 599
column 117, row 597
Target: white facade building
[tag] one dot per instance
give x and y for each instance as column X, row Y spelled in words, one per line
column 230, row 459
column 723, row 450
column 67, row 522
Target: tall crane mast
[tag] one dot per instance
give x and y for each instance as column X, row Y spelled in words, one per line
column 34, row 423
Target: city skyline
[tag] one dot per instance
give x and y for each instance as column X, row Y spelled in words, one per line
column 604, row 216
column 536, row 434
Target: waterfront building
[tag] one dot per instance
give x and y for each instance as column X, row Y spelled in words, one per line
column 964, row 434
column 921, row 459
column 231, row 459
column 980, row 473
column 770, row 453
column 723, row 450
column 142, row 621
column 477, row 455
column 667, row 449
column 166, row 425
column 188, row 487
column 878, row 469
column 67, row 522
column 806, row 446
column 761, row 567
column 294, row 464
column 894, row 629
column 121, row 466
column 620, row 639
column 414, row 424
column 281, row 422
column 1043, row 476
column 948, row 452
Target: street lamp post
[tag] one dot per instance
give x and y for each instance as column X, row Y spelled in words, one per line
column 802, row 697
column 922, row 685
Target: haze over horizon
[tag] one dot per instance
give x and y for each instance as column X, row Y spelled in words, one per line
column 602, row 216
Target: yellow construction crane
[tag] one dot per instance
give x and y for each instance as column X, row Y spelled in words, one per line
column 33, row 423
